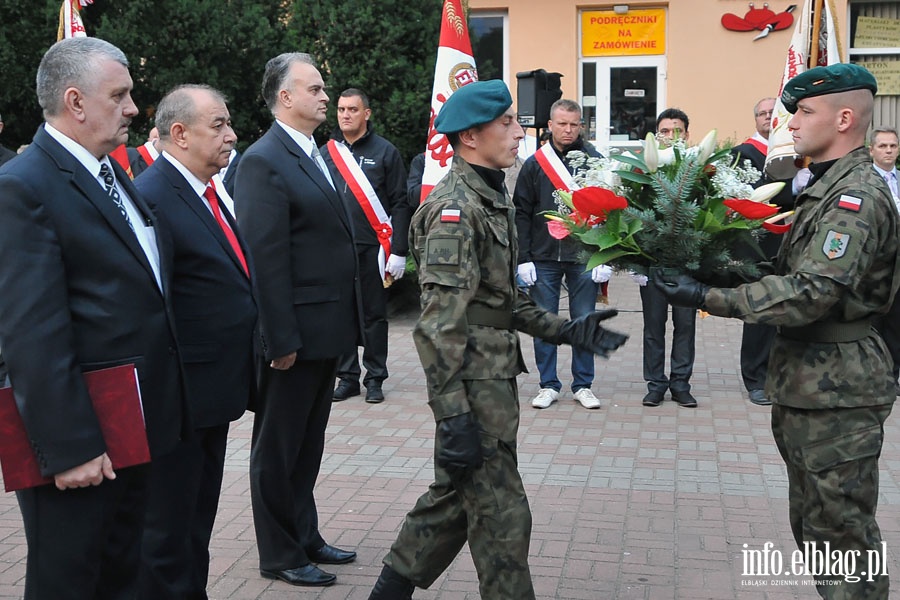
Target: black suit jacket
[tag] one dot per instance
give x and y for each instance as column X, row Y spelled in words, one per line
column 215, row 312
column 230, row 173
column 79, row 294
column 300, row 236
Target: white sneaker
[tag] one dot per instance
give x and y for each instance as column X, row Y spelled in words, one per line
column 545, row 398
column 587, row 398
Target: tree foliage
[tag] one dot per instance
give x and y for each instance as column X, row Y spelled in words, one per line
column 387, row 48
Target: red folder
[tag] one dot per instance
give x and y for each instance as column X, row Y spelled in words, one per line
column 116, row 397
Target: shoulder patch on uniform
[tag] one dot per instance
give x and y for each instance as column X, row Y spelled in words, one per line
column 443, row 251
column 836, row 244
column 850, row 202
column 450, row 215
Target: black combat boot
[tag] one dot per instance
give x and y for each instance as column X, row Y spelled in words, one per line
column 392, row 586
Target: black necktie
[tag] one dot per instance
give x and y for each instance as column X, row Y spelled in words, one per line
column 109, row 182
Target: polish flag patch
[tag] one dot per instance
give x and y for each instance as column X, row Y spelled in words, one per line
column 450, row 215
column 849, row 202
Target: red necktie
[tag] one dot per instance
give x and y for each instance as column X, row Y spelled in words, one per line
column 210, row 195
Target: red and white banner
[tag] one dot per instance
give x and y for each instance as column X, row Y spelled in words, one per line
column 806, row 43
column 554, row 169
column 365, row 194
column 70, row 24
column 455, row 67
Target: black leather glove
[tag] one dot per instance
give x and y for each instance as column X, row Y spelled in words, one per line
column 459, row 445
column 681, row 290
column 586, row 333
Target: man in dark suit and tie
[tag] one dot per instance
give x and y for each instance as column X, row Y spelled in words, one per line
column 84, row 270
column 215, row 316
column 301, row 241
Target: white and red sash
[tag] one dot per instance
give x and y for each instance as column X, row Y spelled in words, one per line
column 759, row 145
column 365, row 195
column 148, row 152
column 554, row 168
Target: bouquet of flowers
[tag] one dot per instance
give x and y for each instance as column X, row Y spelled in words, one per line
column 677, row 207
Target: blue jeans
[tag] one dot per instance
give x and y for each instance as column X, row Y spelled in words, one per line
column 582, row 300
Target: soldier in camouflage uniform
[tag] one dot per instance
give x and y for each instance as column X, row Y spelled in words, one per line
column 464, row 244
column 830, row 373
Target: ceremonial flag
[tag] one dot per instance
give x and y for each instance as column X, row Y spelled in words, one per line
column 455, row 67
column 815, row 43
column 70, row 24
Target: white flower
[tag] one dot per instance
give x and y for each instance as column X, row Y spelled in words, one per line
column 765, row 192
column 707, row 146
column 651, row 153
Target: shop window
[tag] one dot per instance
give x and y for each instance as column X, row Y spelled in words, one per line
column 488, row 32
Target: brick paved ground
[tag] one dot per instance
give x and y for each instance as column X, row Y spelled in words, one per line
column 628, row 502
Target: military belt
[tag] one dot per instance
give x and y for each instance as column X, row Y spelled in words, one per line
column 497, row 318
column 828, row 332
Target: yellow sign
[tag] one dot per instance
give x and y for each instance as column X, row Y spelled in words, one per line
column 887, row 74
column 872, row 32
column 637, row 32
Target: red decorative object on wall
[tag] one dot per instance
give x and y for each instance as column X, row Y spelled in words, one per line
column 761, row 19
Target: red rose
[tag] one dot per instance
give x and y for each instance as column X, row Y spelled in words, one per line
column 597, row 201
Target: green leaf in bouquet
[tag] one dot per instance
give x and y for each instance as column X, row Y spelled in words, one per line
column 635, row 177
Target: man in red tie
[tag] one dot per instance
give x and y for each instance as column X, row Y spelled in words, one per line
column 215, row 315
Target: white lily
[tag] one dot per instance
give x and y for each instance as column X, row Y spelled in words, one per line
column 765, row 192
column 666, row 156
column 651, row 153
column 707, row 146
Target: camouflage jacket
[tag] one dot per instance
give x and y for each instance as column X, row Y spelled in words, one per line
column 836, row 271
column 463, row 240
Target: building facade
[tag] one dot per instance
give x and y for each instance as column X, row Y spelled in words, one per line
column 624, row 63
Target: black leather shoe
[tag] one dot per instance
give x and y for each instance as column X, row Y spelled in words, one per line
column 684, row 398
column 310, row 575
column 345, row 390
column 758, row 397
column 329, row 555
column 374, row 395
column 653, row 398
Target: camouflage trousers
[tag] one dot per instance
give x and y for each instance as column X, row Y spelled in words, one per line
column 489, row 510
column 832, row 464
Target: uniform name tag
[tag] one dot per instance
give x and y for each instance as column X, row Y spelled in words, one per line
column 850, row 202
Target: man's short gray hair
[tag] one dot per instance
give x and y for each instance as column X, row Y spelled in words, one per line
column 565, row 105
column 73, row 62
column 881, row 129
column 179, row 106
column 276, row 73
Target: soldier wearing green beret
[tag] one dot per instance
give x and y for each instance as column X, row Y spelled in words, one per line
column 830, row 373
column 463, row 241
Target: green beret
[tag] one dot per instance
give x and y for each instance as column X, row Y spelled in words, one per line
column 473, row 104
column 819, row 81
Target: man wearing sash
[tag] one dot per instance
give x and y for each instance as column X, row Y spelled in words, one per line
column 756, row 341
column 374, row 189
column 144, row 155
column 544, row 261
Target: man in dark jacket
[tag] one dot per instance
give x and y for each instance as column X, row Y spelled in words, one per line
column 544, row 261
column 380, row 226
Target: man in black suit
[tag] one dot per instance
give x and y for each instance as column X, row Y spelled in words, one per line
column 215, row 316
column 301, row 240
column 757, row 339
column 84, row 268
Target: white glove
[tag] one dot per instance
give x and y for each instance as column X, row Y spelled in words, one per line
column 601, row 274
column 527, row 273
column 801, row 180
column 639, row 279
column 396, row 266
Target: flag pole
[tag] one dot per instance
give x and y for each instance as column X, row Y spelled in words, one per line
column 818, row 6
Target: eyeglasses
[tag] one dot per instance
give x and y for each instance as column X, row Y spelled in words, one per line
column 765, row 113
